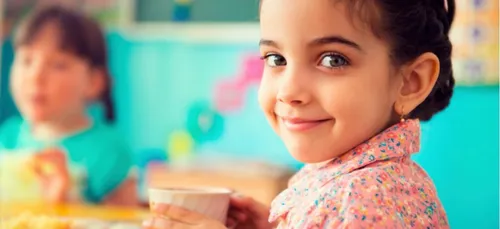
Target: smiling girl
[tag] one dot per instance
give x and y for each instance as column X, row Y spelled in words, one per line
column 345, row 86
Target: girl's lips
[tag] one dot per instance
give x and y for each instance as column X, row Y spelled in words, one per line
column 297, row 124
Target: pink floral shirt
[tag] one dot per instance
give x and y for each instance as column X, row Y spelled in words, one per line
column 375, row 185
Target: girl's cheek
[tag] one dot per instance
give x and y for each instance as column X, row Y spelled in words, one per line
column 16, row 84
column 267, row 95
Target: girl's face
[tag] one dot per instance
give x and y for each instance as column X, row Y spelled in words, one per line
column 328, row 84
column 50, row 84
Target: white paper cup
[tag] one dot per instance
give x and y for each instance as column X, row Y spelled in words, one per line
column 211, row 202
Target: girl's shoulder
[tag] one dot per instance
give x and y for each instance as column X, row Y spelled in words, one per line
column 100, row 133
column 10, row 129
column 11, row 123
column 100, row 140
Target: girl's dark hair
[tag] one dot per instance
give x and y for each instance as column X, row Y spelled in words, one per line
column 414, row 27
column 79, row 35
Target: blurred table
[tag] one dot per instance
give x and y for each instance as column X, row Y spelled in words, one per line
column 9, row 209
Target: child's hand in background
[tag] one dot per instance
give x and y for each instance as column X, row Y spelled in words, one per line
column 52, row 171
column 246, row 213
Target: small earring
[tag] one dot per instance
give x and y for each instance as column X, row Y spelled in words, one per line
column 402, row 118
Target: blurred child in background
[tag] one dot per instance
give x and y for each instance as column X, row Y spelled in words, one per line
column 60, row 68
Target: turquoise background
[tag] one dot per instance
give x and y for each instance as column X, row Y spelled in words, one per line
column 156, row 81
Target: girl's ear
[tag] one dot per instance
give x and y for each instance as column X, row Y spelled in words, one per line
column 419, row 79
column 97, row 84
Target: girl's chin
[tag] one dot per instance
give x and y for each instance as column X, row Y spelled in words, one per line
column 310, row 156
column 36, row 117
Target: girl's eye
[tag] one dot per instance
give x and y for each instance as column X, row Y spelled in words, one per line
column 274, row 60
column 334, row 61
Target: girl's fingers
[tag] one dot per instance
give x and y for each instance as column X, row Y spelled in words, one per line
column 147, row 224
column 164, row 223
column 238, row 215
column 50, row 162
column 51, row 155
column 178, row 214
column 231, row 223
column 241, row 202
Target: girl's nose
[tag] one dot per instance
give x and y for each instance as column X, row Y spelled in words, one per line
column 293, row 88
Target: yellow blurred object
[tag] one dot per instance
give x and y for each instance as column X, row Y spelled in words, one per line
column 47, row 168
column 14, row 209
column 27, row 175
column 30, row 221
column 18, row 180
column 180, row 145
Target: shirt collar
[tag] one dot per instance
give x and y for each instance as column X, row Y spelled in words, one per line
column 397, row 141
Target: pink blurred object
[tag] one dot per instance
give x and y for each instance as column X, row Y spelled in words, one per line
column 229, row 95
column 253, row 67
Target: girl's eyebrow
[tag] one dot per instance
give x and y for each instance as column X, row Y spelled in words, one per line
column 265, row 42
column 318, row 42
column 335, row 39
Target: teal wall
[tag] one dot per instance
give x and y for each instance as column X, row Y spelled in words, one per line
column 460, row 153
column 157, row 80
column 201, row 11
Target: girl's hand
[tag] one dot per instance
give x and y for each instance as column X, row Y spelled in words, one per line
column 172, row 217
column 52, row 170
column 246, row 213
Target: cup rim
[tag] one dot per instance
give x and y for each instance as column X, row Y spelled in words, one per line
column 190, row 190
